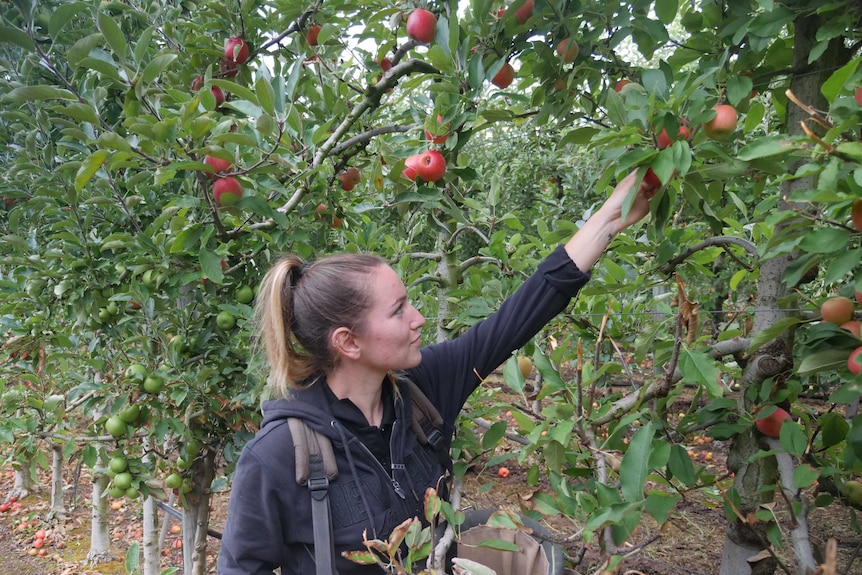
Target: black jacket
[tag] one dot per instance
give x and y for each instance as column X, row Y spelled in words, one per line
column 269, row 522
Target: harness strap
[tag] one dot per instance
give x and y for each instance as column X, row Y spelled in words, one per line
column 315, row 466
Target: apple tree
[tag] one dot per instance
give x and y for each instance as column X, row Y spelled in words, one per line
column 160, row 155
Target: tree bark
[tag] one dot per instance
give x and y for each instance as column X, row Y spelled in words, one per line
column 100, row 537
column 774, row 360
column 58, row 508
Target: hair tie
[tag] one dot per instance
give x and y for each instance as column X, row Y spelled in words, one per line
column 296, row 273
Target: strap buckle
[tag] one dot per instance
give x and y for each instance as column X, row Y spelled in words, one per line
column 318, row 486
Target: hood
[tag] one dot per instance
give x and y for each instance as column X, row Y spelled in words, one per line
column 309, row 404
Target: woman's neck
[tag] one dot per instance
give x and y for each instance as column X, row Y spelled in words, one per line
column 364, row 390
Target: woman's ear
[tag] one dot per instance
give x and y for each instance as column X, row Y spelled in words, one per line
column 344, row 344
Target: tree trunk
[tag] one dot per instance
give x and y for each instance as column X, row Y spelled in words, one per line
column 746, row 548
column 196, row 516
column 58, row 508
column 100, row 537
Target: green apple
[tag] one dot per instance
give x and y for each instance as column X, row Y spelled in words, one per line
column 244, row 294
column 115, row 426
column 154, row 383
column 225, row 320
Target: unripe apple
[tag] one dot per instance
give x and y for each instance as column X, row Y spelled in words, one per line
column 723, row 125
column 431, row 166
column 525, row 366
column 504, row 77
column 312, row 34
column 854, row 362
column 349, row 178
column 838, row 310
column 218, row 165
column 567, row 50
column 853, row 491
column 236, row 50
column 227, row 191
column 421, row 26
column 770, row 426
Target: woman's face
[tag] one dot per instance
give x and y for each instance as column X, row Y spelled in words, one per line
column 390, row 339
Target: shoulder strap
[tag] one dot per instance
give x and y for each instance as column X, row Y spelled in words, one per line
column 315, row 466
column 427, row 421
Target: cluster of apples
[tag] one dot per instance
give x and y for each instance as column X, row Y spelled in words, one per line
column 226, row 190
column 236, row 51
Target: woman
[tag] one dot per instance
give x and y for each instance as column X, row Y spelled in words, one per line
column 335, row 332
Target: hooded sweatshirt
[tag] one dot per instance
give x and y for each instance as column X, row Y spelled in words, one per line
column 269, row 522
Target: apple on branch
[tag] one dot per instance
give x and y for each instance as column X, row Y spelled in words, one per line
column 227, row 191
column 503, row 79
column 421, row 25
column 437, row 137
column 312, row 34
column 236, row 50
column 664, row 140
column 567, row 50
column 349, row 178
column 218, row 165
column 723, row 125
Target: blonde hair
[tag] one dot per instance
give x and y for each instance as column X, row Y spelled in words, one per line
column 300, row 305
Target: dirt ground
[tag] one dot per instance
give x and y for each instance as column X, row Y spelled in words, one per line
column 689, row 543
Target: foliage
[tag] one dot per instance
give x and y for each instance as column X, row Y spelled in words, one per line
column 115, row 252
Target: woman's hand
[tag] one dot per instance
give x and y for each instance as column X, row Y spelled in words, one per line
column 589, row 242
column 612, row 209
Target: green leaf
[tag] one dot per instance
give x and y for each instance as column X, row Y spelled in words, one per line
column 89, row 167
column 697, row 367
column 847, row 393
column 768, row 146
column 265, row 94
column 494, row 434
column 35, row 93
column 659, row 505
column 156, row 67
column 833, row 428
column 766, row 335
column 236, row 90
column 666, row 10
column 828, row 360
column 851, row 149
column 836, row 82
column 633, row 468
column 825, row 240
column 793, row 438
column 211, row 266
column 681, row 466
column 82, row 48
column 112, row 33
column 64, row 14
column 738, row 88
column 805, row 476
column 16, row 36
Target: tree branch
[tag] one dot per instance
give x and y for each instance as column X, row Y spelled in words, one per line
column 722, row 241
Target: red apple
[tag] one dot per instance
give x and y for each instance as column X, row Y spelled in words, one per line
column 664, row 140
column 227, row 191
column 217, row 92
column 320, row 212
column 856, row 214
column 723, row 125
column 838, row 310
column 411, row 165
column 439, row 138
column 858, row 95
column 854, row 326
column 421, row 25
column 431, row 166
column 651, row 180
column 385, row 64
column 619, row 86
column 218, row 165
column 854, row 362
column 504, row 77
column 349, row 178
column 567, row 49
column 770, row 426
column 523, row 13
column 312, row 34
column 236, row 50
